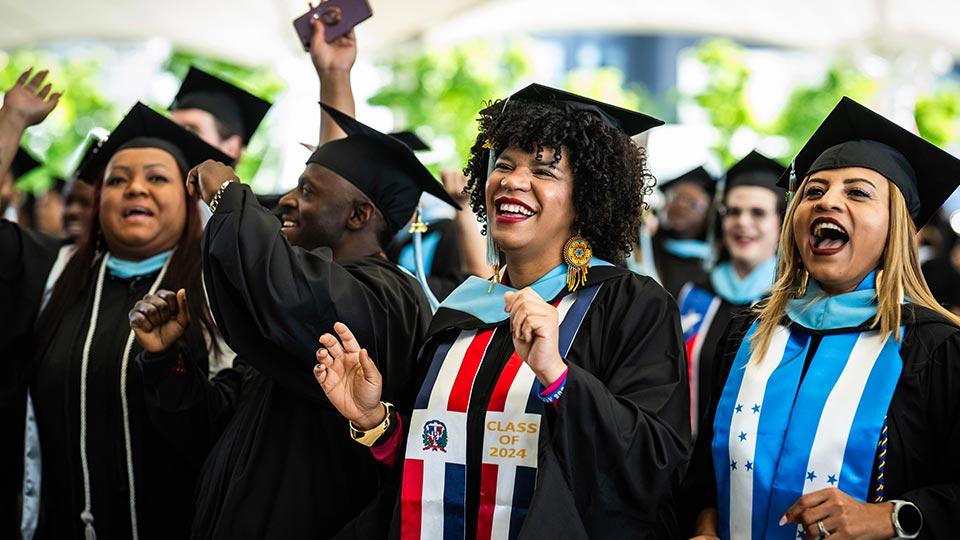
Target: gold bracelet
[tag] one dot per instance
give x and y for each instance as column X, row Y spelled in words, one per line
column 215, row 201
column 370, row 436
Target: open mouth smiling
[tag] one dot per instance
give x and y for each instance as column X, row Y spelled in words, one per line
column 827, row 236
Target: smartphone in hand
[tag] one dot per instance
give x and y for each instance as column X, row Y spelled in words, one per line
column 338, row 18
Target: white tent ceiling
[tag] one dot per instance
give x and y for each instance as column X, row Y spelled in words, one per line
column 259, row 32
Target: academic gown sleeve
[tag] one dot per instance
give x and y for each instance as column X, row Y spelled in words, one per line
column 925, row 450
column 263, row 289
column 620, row 435
column 187, row 406
column 25, row 261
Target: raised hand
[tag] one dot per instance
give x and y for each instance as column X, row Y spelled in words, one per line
column 337, row 56
column 350, row 379
column 160, row 319
column 206, row 178
column 535, row 327
column 29, row 101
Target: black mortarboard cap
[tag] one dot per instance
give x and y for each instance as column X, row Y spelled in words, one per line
column 755, row 169
column 697, row 176
column 143, row 127
column 854, row 136
column 23, row 163
column 630, row 122
column 238, row 110
column 412, row 140
column 382, row 167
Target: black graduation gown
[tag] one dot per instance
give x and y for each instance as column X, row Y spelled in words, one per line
column 611, row 455
column 942, row 279
column 164, row 475
column 444, row 270
column 923, row 421
column 675, row 271
column 711, row 338
column 285, row 466
column 25, row 261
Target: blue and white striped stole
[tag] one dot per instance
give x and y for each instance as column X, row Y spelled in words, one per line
column 777, row 437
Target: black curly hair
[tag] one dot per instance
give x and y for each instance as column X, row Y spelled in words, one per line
column 610, row 177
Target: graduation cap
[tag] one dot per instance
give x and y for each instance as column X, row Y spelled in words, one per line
column 240, row 111
column 382, row 167
column 23, row 163
column 854, row 136
column 630, row 122
column 412, row 140
column 697, row 176
column 755, row 169
column 93, row 145
column 143, row 127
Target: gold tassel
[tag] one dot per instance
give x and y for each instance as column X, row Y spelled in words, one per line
column 495, row 278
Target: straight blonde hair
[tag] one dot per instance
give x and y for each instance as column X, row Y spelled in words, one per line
column 901, row 277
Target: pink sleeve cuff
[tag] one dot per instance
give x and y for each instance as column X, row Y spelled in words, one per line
column 556, row 384
column 388, row 451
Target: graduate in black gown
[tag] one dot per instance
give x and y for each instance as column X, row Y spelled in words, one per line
column 221, row 114
column 573, row 425
column 283, row 467
column 680, row 247
column 748, row 230
column 840, row 415
column 106, row 468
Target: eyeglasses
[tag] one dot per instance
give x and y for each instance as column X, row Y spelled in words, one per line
column 735, row 212
column 690, row 202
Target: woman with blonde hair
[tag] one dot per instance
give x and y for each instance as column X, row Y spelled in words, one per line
column 839, row 412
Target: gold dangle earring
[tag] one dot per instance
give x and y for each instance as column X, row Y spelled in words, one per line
column 577, row 253
column 804, row 280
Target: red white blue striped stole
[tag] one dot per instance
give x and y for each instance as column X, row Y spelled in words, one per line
column 433, row 492
column 697, row 309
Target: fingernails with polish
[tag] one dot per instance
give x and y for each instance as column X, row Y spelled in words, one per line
column 783, row 520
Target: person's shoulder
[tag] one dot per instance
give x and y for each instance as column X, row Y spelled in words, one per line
column 622, row 285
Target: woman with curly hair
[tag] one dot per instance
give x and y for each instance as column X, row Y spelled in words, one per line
column 837, row 411
column 553, row 401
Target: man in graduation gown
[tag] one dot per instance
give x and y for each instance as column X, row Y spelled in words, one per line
column 274, row 289
column 679, row 247
column 218, row 112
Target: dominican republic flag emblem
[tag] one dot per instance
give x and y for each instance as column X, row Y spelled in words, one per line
column 435, row 436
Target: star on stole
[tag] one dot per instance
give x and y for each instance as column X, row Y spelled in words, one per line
column 743, row 436
column 733, row 465
column 811, row 476
column 832, row 479
column 756, row 408
column 749, row 465
column 739, row 407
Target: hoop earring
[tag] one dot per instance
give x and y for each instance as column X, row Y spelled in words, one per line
column 577, row 253
column 804, row 281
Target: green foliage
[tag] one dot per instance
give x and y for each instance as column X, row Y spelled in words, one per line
column 260, row 82
column 439, row 92
column 937, row 115
column 809, row 105
column 82, row 107
column 725, row 96
column 607, row 84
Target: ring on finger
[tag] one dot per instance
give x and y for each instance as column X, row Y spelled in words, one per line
column 823, row 530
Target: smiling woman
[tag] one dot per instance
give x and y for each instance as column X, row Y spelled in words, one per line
column 840, row 405
column 526, row 377
column 131, row 480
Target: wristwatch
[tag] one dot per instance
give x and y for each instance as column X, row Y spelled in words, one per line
column 370, row 436
column 907, row 519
